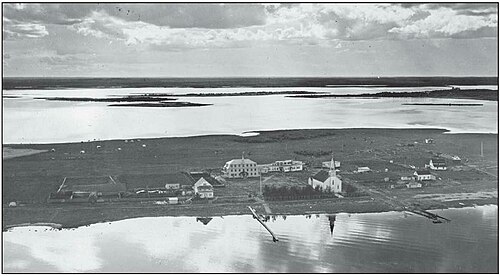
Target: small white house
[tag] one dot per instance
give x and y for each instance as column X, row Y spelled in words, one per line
column 456, row 159
column 424, row 175
column 363, row 169
column 203, row 188
column 172, row 186
column 173, row 200
column 413, row 185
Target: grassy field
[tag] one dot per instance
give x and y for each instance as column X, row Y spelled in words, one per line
column 30, row 179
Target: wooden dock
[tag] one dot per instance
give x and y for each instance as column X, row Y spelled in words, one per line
column 255, row 216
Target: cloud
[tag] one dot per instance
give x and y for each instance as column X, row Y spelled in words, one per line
column 178, row 26
column 445, row 22
column 13, row 29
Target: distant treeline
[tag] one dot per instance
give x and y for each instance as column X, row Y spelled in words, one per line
column 64, row 83
column 303, row 192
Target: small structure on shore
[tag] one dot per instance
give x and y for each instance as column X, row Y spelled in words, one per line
column 240, row 168
column 437, row 164
column 456, row 160
column 327, row 180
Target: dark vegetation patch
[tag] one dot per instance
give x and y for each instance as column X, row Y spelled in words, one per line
column 162, row 104
column 442, row 104
column 454, row 93
column 283, row 135
column 132, row 98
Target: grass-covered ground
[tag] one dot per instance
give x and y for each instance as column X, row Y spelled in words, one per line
column 29, row 179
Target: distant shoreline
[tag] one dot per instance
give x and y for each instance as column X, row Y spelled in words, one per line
column 443, row 104
column 454, row 93
column 255, row 133
column 34, row 83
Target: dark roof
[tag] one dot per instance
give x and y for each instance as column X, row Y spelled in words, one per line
column 197, row 175
column 438, row 161
column 322, row 176
column 93, row 184
column 422, row 172
column 208, row 188
column 135, row 181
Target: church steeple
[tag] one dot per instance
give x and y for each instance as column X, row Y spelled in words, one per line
column 332, row 168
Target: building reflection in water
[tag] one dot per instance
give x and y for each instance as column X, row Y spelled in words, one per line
column 331, row 219
column 204, row 220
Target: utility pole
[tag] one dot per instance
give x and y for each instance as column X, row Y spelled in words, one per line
column 260, row 182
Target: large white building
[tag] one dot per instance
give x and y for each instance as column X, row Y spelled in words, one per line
column 240, row 168
column 327, row 179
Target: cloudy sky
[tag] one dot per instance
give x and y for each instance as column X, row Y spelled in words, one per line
column 217, row 40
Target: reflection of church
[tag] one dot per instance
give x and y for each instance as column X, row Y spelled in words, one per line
column 331, row 219
column 205, row 221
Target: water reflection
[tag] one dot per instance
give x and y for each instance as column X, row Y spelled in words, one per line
column 331, row 219
column 383, row 242
column 204, row 220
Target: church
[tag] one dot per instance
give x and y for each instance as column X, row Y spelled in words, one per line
column 327, row 179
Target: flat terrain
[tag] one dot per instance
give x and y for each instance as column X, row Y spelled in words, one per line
column 389, row 153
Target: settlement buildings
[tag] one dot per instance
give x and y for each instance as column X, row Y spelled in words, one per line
column 423, row 175
column 327, row 180
column 240, row 168
column 282, row 166
column 437, row 164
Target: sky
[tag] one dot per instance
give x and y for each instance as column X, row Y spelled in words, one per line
column 249, row 40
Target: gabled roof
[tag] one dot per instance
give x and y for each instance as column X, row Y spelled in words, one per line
column 134, row 181
column 241, row 161
column 321, row 176
column 205, row 188
column 197, row 175
column 438, row 161
column 93, row 184
column 423, row 172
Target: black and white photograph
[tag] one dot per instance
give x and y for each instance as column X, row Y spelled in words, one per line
column 250, row 137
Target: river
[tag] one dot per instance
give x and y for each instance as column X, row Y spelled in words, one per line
column 377, row 242
column 29, row 120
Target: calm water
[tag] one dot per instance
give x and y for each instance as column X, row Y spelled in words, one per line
column 381, row 242
column 27, row 120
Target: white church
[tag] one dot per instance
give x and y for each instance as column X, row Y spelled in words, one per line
column 327, row 179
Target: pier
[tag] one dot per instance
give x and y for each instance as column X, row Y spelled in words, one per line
column 255, row 216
